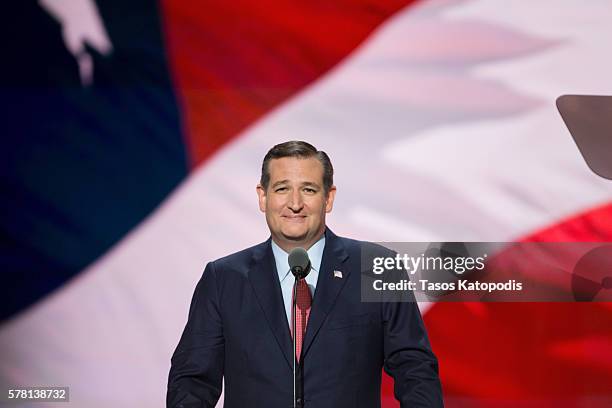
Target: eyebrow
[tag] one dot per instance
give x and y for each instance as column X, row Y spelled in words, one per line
column 304, row 184
column 279, row 183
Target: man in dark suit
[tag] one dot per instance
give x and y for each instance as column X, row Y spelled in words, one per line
column 239, row 327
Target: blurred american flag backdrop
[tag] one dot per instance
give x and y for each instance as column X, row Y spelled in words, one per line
column 132, row 139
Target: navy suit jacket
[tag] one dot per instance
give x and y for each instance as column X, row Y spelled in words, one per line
column 237, row 331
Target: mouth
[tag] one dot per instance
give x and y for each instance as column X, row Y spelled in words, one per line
column 294, row 218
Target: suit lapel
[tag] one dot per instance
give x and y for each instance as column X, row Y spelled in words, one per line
column 264, row 279
column 328, row 286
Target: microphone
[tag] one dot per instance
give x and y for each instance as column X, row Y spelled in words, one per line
column 299, row 263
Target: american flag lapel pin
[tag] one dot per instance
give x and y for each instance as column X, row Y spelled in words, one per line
column 337, row 274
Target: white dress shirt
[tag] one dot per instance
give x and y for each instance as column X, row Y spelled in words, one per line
column 315, row 253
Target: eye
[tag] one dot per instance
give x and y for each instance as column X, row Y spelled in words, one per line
column 310, row 190
column 280, row 189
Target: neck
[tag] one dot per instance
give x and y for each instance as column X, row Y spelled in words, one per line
column 288, row 245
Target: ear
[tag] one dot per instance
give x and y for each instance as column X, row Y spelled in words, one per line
column 331, row 195
column 261, row 194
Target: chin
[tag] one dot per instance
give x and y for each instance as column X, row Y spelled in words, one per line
column 295, row 235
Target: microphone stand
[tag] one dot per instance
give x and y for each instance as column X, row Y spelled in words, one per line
column 300, row 266
column 293, row 321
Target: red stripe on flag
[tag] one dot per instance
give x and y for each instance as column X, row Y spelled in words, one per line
column 553, row 353
column 234, row 61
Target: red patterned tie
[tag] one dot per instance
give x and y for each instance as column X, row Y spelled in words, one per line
column 303, row 303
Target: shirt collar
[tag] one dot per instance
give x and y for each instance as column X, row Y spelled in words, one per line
column 315, row 254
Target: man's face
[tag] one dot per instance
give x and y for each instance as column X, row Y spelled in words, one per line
column 295, row 202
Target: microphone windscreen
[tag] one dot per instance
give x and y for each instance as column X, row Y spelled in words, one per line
column 299, row 263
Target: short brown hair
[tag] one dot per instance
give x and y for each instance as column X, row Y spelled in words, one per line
column 303, row 150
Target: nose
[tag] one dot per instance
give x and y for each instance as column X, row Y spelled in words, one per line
column 295, row 201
